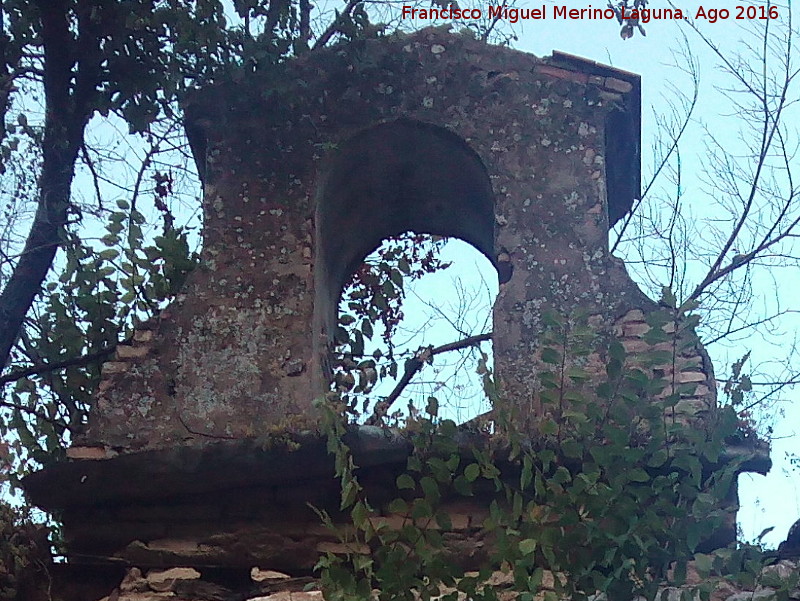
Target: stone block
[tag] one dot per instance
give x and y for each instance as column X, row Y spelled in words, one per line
column 290, row 596
column 635, row 346
column 691, row 406
column 143, row 335
column 634, row 315
column 618, row 85
column 163, row 580
column 114, row 367
column 185, row 548
column 762, row 594
column 343, row 548
column 691, row 376
column 90, row 453
column 259, row 575
column 635, row 329
column 125, row 351
column 393, row 522
column 133, row 582
column 460, row 521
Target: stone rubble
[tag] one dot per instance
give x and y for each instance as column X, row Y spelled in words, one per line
column 170, row 584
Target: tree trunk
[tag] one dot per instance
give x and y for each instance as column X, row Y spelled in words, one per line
column 65, row 120
column 43, row 240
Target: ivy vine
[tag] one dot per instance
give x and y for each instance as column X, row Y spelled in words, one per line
column 607, row 491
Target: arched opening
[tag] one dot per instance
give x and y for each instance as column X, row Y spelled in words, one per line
column 389, row 179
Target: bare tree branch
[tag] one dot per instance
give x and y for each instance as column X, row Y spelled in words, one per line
column 336, row 24
column 81, row 361
column 414, row 364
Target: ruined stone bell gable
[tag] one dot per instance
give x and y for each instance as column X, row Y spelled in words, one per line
column 308, row 169
column 203, row 447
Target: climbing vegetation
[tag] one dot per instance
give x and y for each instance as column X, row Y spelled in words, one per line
column 605, row 488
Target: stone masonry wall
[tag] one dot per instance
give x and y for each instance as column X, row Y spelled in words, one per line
column 241, row 352
column 235, row 362
column 690, row 370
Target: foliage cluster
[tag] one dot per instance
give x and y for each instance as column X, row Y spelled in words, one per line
column 103, row 289
column 75, row 75
column 24, row 553
column 612, row 489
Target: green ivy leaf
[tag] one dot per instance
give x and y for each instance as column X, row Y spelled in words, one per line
column 359, row 514
column 349, row 492
column 703, row 563
column 430, row 488
column 551, row 356
column 421, row 509
column 405, row 482
column 472, row 471
column 527, row 546
column 638, row 475
column 526, row 476
column 463, row 486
